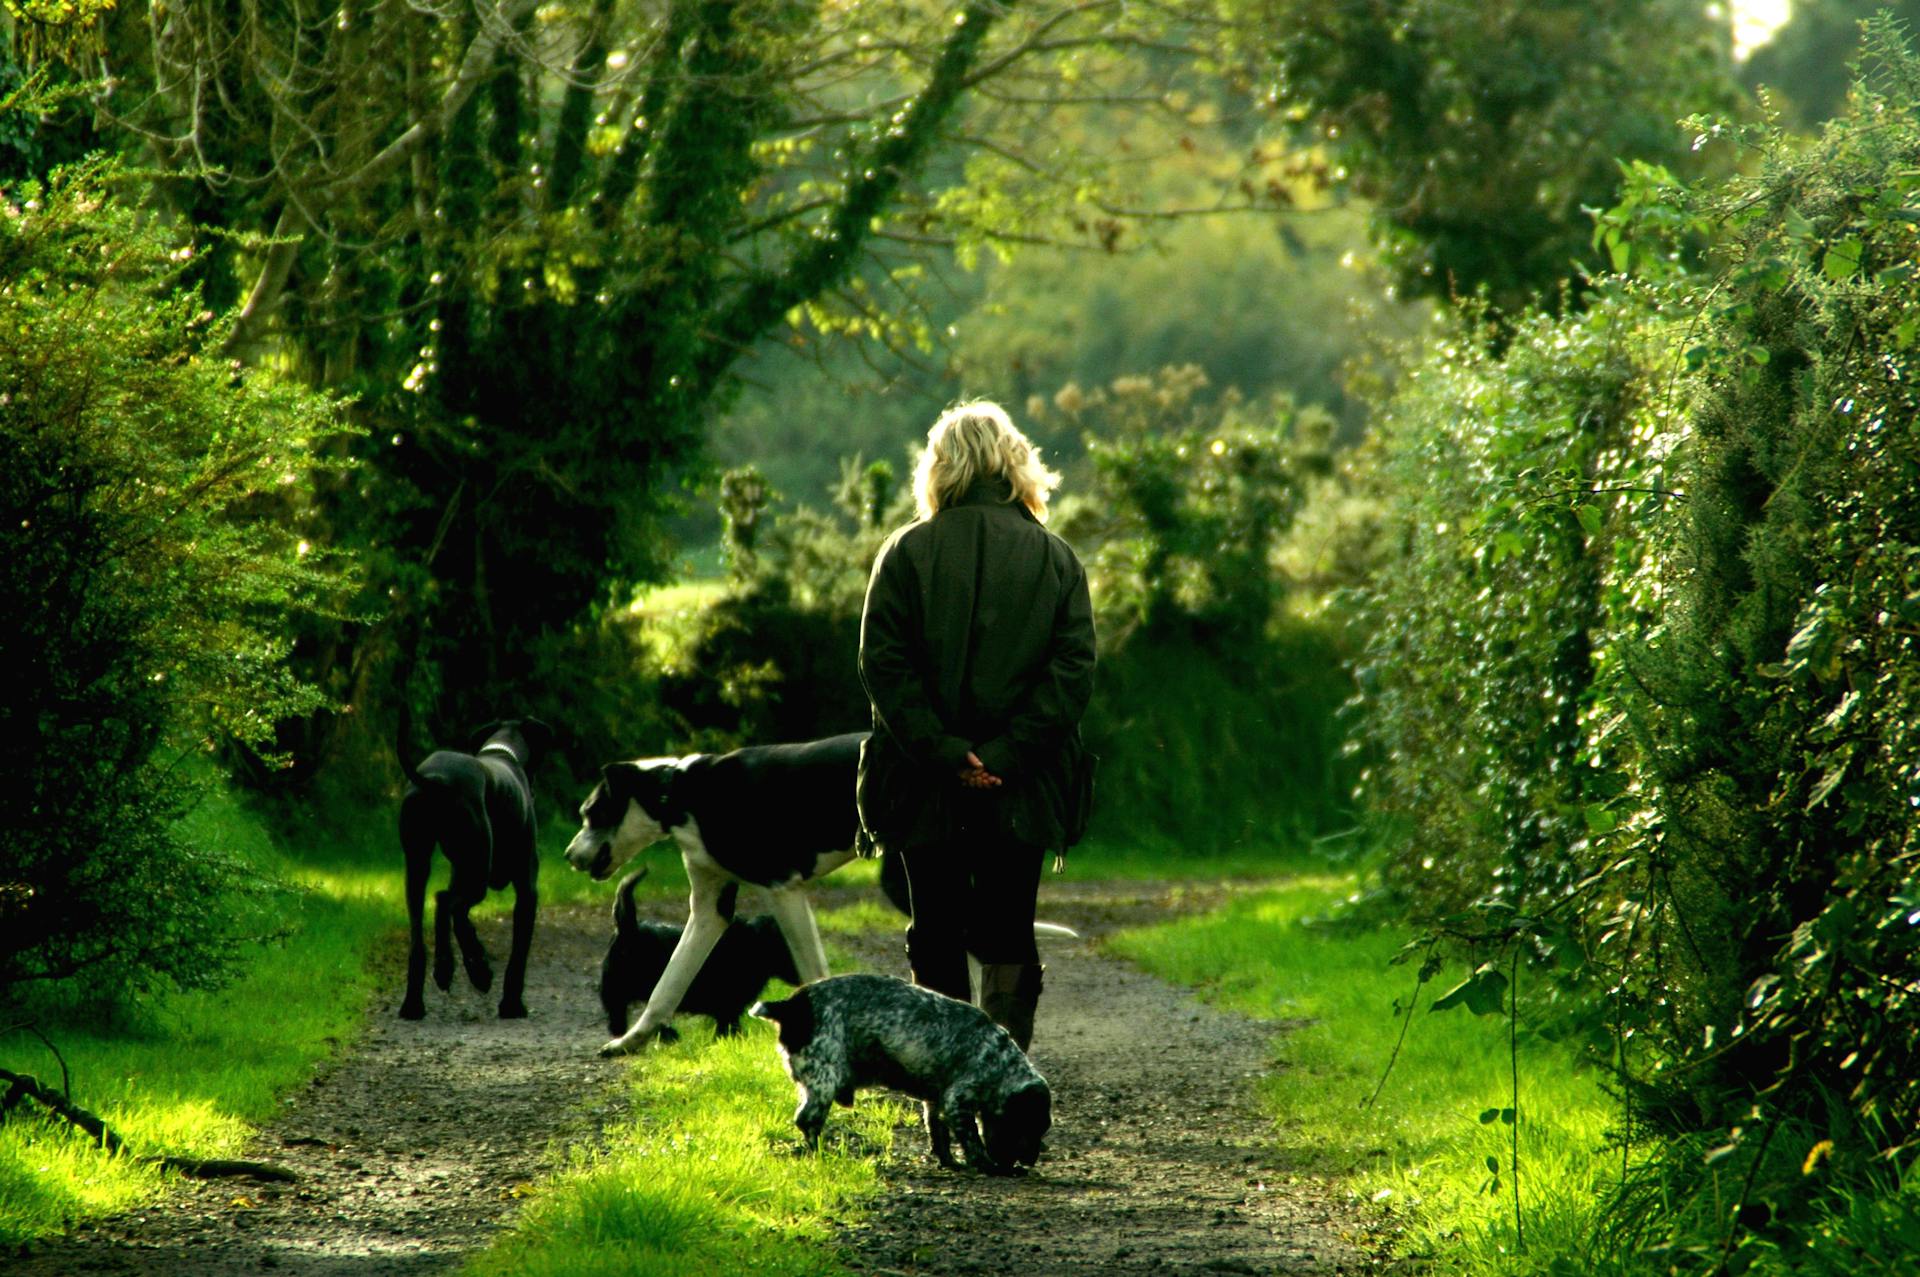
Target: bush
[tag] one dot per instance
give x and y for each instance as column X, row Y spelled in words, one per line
column 143, row 484
column 1521, row 468
column 1644, row 685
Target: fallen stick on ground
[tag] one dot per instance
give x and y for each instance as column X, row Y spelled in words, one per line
column 22, row 1087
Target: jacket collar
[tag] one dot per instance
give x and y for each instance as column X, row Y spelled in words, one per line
column 993, row 489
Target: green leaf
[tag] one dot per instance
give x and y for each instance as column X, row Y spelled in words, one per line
column 1599, row 819
column 1842, row 261
column 1591, row 520
column 1489, row 1116
column 1835, row 773
column 1483, row 992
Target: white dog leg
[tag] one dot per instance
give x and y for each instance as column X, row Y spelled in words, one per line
column 795, row 915
column 703, row 930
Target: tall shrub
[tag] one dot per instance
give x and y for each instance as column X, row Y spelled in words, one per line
column 1666, row 733
column 145, row 485
column 1519, row 471
column 1779, row 694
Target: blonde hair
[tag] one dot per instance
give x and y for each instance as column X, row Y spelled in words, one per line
column 974, row 440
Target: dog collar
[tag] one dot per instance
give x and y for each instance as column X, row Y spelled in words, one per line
column 498, row 748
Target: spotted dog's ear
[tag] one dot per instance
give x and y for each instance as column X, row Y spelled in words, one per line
column 622, row 780
column 606, row 806
column 794, row 1016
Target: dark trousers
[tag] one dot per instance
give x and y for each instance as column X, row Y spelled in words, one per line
column 971, row 894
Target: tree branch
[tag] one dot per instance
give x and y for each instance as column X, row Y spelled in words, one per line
column 287, row 237
column 766, row 297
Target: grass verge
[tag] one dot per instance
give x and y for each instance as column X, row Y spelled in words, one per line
column 193, row 1073
column 704, row 1179
column 1426, row 1150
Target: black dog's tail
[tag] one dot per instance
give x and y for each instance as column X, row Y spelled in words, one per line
column 403, row 736
column 626, row 922
column 402, row 694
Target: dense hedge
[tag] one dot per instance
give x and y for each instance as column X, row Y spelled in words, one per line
column 1642, row 691
column 147, row 565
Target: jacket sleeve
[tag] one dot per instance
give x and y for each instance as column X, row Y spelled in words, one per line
column 896, row 687
column 1060, row 695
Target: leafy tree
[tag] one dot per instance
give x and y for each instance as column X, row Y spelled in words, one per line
column 144, row 540
column 1483, row 133
column 535, row 241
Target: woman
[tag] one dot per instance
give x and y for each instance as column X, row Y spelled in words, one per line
column 976, row 651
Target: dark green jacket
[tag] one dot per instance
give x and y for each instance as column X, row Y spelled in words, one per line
column 977, row 635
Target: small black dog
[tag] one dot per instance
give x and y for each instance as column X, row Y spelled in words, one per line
column 750, row 952
column 850, row 1031
column 478, row 808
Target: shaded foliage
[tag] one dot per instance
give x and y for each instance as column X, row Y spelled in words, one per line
column 1681, row 763
column 145, row 490
column 1483, row 133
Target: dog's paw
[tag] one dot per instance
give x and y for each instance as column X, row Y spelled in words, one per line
column 443, row 976
column 515, row 1010
column 413, row 1009
column 481, row 976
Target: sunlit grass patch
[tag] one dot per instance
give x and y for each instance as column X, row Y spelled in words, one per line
column 191, row 1074
column 705, row 1178
column 1422, row 1149
column 1280, row 854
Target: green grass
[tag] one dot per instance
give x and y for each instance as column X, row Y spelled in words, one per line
column 193, row 1073
column 704, row 1178
column 1421, row 1151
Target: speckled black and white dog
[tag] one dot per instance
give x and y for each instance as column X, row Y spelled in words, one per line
column 856, row 1031
column 750, row 952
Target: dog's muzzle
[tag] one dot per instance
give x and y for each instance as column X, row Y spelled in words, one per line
column 602, row 867
column 597, row 866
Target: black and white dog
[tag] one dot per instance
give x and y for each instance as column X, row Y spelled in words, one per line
column 478, row 808
column 773, row 816
column 750, row 952
column 856, row 1031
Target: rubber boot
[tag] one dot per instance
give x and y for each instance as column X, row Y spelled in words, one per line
column 1009, row 992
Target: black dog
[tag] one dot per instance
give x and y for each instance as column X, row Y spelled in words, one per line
column 750, row 952
column 872, row 1030
column 478, row 808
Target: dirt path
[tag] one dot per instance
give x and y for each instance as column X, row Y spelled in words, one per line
column 418, row 1145
column 1158, row 1161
